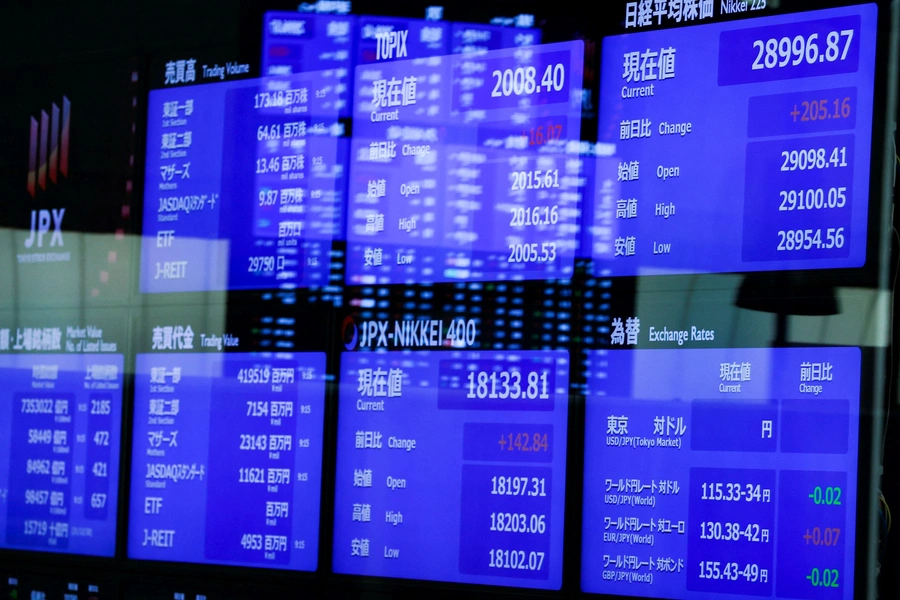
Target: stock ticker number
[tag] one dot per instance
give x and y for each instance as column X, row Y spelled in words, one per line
column 776, row 53
column 508, row 384
column 523, row 80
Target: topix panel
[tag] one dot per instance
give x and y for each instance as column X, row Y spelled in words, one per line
column 451, row 466
column 240, row 191
column 212, row 428
column 458, row 163
column 59, row 460
column 762, row 126
column 721, row 472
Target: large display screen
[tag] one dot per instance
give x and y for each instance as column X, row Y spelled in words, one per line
column 763, row 127
column 227, row 459
column 59, row 459
column 240, row 185
column 451, row 466
column 458, row 168
column 721, row 472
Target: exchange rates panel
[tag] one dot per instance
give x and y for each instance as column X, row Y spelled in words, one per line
column 451, row 466
column 59, row 473
column 458, row 165
column 240, row 189
column 209, row 428
column 710, row 473
column 761, row 126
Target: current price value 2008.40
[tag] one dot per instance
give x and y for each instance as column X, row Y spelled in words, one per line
column 523, row 80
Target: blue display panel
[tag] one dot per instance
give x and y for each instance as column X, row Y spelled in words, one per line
column 59, row 472
column 451, row 466
column 213, row 428
column 240, row 189
column 721, row 473
column 458, row 163
column 763, row 127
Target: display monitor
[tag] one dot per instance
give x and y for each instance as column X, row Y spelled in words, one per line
column 451, row 466
column 227, row 458
column 716, row 473
column 240, row 189
column 60, row 433
column 761, row 126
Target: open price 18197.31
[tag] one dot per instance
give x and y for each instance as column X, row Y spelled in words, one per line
column 794, row 51
column 535, row 487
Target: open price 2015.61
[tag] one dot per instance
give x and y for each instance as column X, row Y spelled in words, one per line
column 813, row 159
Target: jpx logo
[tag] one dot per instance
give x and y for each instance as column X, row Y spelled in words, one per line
column 40, row 226
column 48, row 157
column 48, row 154
column 391, row 44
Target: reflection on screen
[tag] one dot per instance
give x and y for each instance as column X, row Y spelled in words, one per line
column 240, row 185
column 451, row 466
column 227, row 459
column 59, row 463
column 710, row 473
